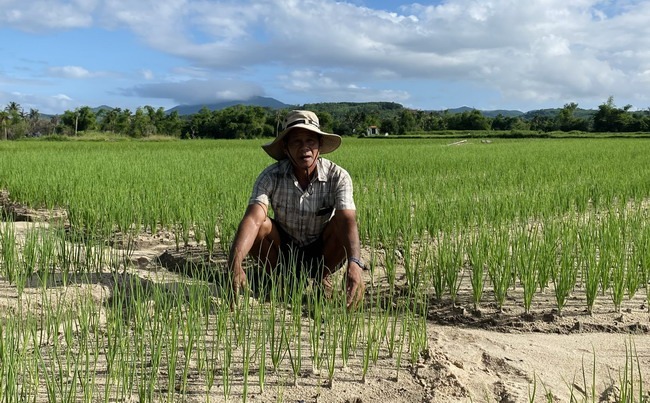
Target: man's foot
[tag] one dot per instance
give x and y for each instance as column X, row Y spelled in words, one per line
column 327, row 286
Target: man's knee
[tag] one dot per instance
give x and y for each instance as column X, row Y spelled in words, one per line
column 267, row 242
column 334, row 252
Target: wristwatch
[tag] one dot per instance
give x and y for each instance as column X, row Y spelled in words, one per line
column 358, row 262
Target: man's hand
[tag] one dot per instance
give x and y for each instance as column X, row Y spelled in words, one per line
column 355, row 286
column 238, row 282
column 247, row 232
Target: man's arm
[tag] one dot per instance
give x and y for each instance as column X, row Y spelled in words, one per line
column 247, row 232
column 348, row 230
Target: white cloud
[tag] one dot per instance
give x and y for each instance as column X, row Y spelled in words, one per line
column 330, row 87
column 162, row 24
column 186, row 73
column 197, row 91
column 147, row 74
column 71, row 72
column 62, row 97
column 43, row 15
column 75, row 72
column 51, row 104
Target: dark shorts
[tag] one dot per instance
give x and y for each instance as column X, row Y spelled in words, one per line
column 302, row 260
column 297, row 265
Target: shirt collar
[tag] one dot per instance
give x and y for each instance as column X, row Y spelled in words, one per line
column 320, row 170
column 321, row 175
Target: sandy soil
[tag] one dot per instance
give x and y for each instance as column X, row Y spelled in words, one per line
column 480, row 356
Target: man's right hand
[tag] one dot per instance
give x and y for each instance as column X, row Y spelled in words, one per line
column 247, row 232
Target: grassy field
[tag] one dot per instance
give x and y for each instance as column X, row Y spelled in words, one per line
column 420, row 182
column 485, row 223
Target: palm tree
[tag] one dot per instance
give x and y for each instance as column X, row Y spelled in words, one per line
column 34, row 115
column 4, row 118
column 14, row 109
column 54, row 123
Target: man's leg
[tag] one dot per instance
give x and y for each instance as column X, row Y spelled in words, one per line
column 266, row 247
column 265, row 252
column 334, row 253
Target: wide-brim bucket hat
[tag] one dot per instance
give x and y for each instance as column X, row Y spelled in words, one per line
column 306, row 120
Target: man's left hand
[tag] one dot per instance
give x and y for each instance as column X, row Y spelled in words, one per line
column 355, row 286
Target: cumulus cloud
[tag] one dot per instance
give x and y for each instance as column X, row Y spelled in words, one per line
column 187, row 73
column 535, row 51
column 193, row 92
column 332, row 86
column 45, row 104
column 519, row 49
column 147, row 74
column 45, row 15
column 71, row 72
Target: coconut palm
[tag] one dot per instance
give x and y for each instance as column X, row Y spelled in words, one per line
column 14, row 109
column 4, row 118
column 33, row 116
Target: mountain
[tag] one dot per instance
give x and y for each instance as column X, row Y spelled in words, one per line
column 264, row 102
column 503, row 112
column 488, row 113
column 101, row 108
column 552, row 112
column 97, row 109
column 546, row 113
column 461, row 109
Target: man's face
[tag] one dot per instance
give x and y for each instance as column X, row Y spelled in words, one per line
column 302, row 148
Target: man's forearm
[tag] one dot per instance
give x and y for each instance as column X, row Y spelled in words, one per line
column 244, row 238
column 351, row 241
column 242, row 244
column 236, row 257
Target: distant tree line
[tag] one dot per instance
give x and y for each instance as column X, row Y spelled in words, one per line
column 241, row 122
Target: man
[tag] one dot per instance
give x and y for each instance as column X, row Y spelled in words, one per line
column 314, row 223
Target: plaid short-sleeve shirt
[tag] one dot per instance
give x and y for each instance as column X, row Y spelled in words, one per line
column 303, row 214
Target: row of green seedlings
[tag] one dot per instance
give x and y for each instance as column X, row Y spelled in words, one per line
column 489, row 192
column 121, row 227
column 53, row 254
column 592, row 255
column 476, row 185
column 490, row 180
column 68, row 358
column 57, row 252
column 157, row 341
column 97, row 207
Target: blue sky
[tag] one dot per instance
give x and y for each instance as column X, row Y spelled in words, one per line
column 493, row 54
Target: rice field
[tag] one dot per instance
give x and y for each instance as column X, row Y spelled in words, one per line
column 475, row 225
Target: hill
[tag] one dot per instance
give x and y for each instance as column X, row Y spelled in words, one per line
column 552, row 112
column 264, row 102
column 489, row 113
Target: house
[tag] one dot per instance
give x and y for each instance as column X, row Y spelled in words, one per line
column 372, row 131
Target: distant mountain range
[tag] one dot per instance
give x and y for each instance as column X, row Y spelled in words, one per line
column 254, row 101
column 267, row 102
column 490, row 113
column 182, row 110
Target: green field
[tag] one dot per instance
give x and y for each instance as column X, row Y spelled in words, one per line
column 472, row 223
column 418, row 184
